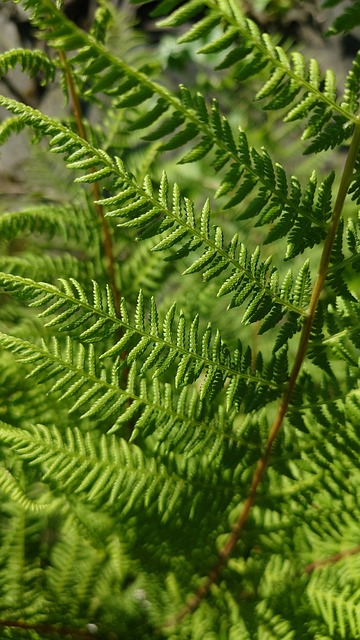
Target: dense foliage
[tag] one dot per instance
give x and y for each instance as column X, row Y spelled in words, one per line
column 180, row 335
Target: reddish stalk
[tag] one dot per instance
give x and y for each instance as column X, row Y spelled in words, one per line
column 332, row 559
column 107, row 240
column 47, row 628
column 262, row 464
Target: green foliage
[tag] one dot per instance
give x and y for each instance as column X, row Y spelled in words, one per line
column 179, row 336
column 348, row 19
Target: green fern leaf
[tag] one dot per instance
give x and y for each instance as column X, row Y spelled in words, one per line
column 347, row 20
column 32, row 62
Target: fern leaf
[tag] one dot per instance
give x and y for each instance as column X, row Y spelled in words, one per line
column 106, row 469
column 68, row 143
column 347, row 20
column 75, row 313
column 290, row 80
column 10, row 126
column 89, row 383
column 339, row 609
column 66, row 220
column 31, row 61
column 216, row 257
column 11, row 487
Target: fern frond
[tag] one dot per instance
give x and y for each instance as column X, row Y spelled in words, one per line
column 141, row 208
column 66, row 220
column 94, row 394
column 154, row 346
column 347, row 20
column 353, row 243
column 249, row 170
column 352, row 91
column 189, row 118
column 20, row 402
column 49, row 267
column 250, row 279
column 292, row 84
column 340, row 609
column 110, row 471
column 72, row 364
column 20, row 576
column 147, row 446
column 320, row 404
column 10, row 486
column 342, row 323
column 10, row 126
column 31, row 61
column 339, row 278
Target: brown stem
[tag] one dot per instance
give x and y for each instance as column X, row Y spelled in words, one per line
column 263, row 462
column 332, row 559
column 108, row 246
column 47, row 628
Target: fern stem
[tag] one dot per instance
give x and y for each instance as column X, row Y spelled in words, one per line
column 69, row 632
column 263, row 462
column 332, row 559
column 108, row 245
